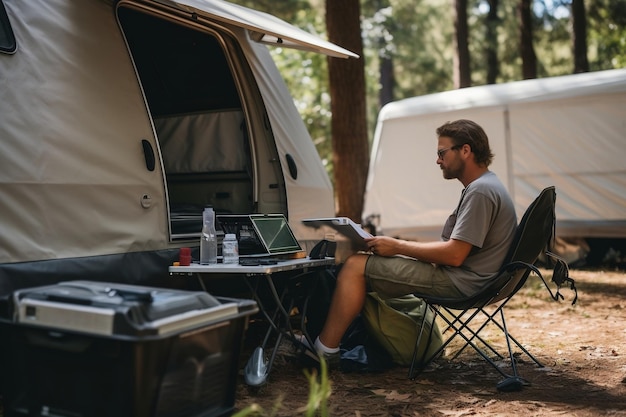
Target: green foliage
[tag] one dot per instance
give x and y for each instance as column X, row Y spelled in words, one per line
column 420, row 32
column 319, row 392
column 417, row 36
column 317, row 404
column 305, row 73
column 607, row 34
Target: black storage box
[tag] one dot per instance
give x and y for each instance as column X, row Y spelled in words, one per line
column 90, row 349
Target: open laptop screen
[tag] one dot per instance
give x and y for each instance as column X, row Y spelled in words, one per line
column 276, row 234
column 260, row 234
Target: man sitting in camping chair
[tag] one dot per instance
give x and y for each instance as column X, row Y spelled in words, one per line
column 475, row 241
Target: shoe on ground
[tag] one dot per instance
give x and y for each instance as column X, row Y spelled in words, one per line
column 333, row 360
column 313, row 356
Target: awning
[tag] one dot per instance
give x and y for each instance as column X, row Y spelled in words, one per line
column 263, row 27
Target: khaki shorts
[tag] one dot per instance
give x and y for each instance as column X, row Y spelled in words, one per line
column 397, row 276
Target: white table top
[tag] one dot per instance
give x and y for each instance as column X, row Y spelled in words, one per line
column 280, row 266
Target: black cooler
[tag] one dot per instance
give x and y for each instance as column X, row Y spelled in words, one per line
column 83, row 348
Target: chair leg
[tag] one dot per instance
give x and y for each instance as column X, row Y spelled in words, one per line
column 464, row 325
column 459, row 325
column 452, row 324
column 502, row 327
column 519, row 345
column 510, row 382
column 513, row 382
column 490, row 318
column 475, row 334
column 508, row 345
column 424, row 363
column 417, row 344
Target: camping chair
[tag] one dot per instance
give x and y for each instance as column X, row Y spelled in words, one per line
column 534, row 233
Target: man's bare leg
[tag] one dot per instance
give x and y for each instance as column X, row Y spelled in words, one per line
column 347, row 301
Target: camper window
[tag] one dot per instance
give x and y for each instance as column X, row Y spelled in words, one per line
column 7, row 40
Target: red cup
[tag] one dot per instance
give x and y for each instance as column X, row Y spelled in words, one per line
column 184, row 256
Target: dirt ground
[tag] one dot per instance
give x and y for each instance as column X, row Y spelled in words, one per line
column 583, row 348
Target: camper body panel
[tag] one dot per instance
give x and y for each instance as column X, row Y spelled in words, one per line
column 308, row 193
column 73, row 117
column 563, row 131
column 89, row 177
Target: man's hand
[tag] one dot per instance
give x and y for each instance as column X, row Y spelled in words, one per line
column 383, row 245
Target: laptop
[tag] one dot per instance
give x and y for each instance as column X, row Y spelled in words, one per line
column 345, row 227
column 260, row 234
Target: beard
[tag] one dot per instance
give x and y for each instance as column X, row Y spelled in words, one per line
column 453, row 171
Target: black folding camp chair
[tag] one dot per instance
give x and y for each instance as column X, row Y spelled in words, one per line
column 534, row 234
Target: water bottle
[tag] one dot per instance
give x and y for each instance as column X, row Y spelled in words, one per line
column 208, row 240
column 230, row 249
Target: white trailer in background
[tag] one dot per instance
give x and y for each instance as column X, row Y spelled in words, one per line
column 567, row 131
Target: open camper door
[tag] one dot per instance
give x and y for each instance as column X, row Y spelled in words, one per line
column 213, row 132
column 121, row 120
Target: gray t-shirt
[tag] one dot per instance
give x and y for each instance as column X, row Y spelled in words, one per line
column 485, row 217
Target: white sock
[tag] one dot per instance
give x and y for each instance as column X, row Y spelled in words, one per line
column 320, row 347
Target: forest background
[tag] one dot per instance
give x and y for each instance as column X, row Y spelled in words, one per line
column 416, row 47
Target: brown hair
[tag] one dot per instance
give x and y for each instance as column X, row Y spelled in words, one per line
column 465, row 131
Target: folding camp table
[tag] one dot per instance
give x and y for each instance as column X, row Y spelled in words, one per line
column 278, row 317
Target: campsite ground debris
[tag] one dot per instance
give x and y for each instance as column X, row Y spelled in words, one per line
column 582, row 346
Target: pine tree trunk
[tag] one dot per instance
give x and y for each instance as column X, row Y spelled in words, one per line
column 579, row 33
column 492, row 42
column 527, row 51
column 387, row 81
column 462, row 74
column 349, row 123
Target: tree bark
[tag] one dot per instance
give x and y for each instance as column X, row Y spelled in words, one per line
column 387, row 81
column 462, row 74
column 348, row 106
column 492, row 42
column 527, row 51
column 579, row 34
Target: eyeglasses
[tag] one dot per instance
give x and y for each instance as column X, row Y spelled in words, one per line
column 442, row 152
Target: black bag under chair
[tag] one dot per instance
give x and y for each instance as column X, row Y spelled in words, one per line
column 534, row 235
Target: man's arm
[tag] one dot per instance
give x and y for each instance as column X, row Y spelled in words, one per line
column 452, row 252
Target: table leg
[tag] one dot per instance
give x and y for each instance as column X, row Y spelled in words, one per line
column 258, row 367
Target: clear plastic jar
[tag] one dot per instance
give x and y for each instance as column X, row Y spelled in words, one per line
column 230, row 249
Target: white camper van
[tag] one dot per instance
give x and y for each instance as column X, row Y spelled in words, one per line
column 121, row 120
column 566, row 131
